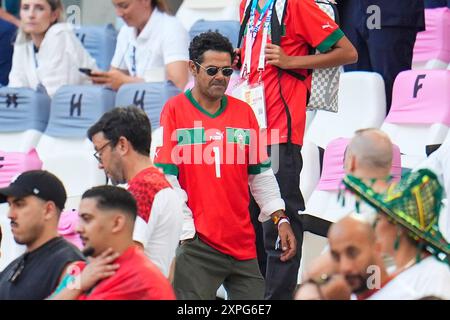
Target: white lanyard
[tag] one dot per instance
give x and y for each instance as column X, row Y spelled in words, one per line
column 133, row 62
column 36, row 63
column 252, row 31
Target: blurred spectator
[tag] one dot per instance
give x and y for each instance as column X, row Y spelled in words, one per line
column 212, row 150
column 151, row 47
column 47, row 52
column 354, row 249
column 384, row 33
column 36, row 200
column 369, row 156
column 118, row 270
column 7, row 36
column 407, row 229
column 322, row 282
column 122, row 139
column 10, row 11
column 439, row 163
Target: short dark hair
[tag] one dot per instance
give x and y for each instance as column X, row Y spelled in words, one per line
column 129, row 122
column 160, row 4
column 113, row 198
column 209, row 41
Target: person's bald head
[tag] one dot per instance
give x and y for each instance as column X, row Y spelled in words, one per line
column 370, row 150
column 354, row 249
column 321, row 281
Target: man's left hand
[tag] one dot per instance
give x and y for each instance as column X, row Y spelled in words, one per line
column 288, row 241
column 276, row 56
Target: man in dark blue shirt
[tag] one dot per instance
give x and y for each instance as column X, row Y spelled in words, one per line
column 7, row 36
column 384, row 33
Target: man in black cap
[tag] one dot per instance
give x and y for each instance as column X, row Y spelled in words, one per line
column 36, row 200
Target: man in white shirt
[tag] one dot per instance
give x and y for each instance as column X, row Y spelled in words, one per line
column 439, row 162
column 151, row 47
column 408, row 231
column 369, row 156
column 122, row 139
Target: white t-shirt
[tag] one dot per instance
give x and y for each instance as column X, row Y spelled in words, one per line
column 162, row 41
column 161, row 235
column 56, row 64
column 430, row 277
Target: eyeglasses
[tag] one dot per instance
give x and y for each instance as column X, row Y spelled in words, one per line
column 18, row 269
column 98, row 154
column 212, row 71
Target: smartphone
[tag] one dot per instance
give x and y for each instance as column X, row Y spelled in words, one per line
column 86, row 71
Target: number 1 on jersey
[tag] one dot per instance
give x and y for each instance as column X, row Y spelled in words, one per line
column 216, row 152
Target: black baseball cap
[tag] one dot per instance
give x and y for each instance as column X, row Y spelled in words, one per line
column 41, row 184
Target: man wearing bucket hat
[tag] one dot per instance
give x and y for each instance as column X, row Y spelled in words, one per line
column 36, row 199
column 407, row 227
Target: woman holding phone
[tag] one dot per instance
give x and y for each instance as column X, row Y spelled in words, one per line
column 151, row 47
column 47, row 53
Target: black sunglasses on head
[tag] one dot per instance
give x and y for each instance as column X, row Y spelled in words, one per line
column 212, row 71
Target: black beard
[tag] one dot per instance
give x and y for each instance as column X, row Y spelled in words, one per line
column 363, row 287
column 88, row 252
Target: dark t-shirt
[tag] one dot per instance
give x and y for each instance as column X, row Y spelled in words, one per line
column 35, row 275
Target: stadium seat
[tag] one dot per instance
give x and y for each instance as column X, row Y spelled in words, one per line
column 191, row 11
column 150, row 97
column 432, row 48
column 14, row 163
column 310, row 175
column 324, row 201
column 11, row 165
column 362, row 104
column 420, row 113
column 229, row 29
column 64, row 147
column 24, row 116
column 100, row 42
column 67, row 227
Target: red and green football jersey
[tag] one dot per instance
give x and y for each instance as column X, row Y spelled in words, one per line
column 304, row 25
column 213, row 156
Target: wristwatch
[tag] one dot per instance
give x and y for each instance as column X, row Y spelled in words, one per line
column 277, row 217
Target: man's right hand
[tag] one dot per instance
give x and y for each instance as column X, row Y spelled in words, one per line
column 99, row 268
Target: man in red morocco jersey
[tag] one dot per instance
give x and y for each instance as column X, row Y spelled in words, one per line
column 304, row 25
column 210, row 142
column 122, row 139
column 119, row 270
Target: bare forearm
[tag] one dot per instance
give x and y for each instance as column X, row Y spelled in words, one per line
column 336, row 57
column 67, row 294
column 177, row 72
column 9, row 17
column 342, row 53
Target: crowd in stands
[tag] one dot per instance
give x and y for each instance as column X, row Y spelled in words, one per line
column 202, row 194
